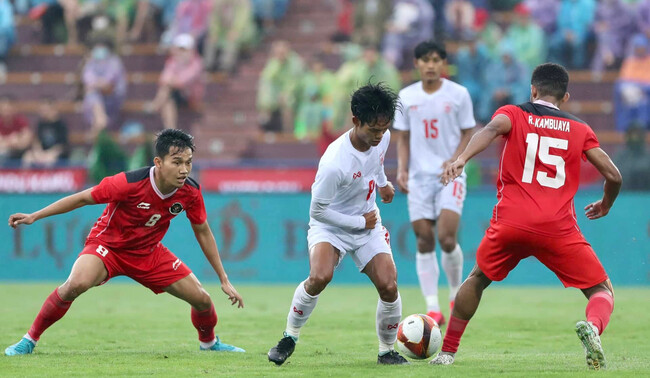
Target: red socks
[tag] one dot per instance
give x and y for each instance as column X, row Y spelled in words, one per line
column 599, row 309
column 53, row 309
column 204, row 322
column 455, row 330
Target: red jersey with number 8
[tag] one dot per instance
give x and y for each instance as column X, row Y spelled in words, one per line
column 539, row 172
column 138, row 214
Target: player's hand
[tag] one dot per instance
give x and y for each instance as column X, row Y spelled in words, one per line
column 596, row 210
column 452, row 171
column 387, row 193
column 403, row 181
column 20, row 218
column 232, row 294
column 371, row 219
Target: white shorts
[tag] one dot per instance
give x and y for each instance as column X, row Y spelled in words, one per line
column 361, row 252
column 427, row 198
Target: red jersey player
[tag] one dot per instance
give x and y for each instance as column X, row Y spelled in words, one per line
column 125, row 240
column 535, row 214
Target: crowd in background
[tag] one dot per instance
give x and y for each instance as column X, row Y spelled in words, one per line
column 494, row 45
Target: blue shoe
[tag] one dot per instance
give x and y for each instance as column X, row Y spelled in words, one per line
column 24, row 346
column 223, row 347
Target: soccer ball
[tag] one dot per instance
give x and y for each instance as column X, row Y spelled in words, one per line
column 418, row 336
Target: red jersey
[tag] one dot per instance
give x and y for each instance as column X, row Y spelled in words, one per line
column 138, row 214
column 539, row 170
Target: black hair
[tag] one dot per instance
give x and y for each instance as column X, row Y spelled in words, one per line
column 374, row 102
column 169, row 138
column 427, row 47
column 550, row 79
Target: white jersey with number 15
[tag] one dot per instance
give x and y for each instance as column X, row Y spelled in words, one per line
column 435, row 122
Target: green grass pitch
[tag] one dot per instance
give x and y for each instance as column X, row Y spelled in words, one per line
column 124, row 330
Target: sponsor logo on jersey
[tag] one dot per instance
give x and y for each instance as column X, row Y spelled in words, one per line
column 356, row 175
column 176, row 264
column 176, row 208
column 143, row 205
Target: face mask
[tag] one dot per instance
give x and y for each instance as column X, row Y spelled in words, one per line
column 100, row 53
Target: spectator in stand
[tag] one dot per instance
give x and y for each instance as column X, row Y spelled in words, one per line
column 634, row 160
column 632, row 91
column 369, row 66
column 152, row 17
column 192, row 17
column 460, row 16
column 526, row 38
column 51, row 143
column 268, row 12
column 278, row 88
column 614, row 25
column 411, row 23
column 315, row 109
column 15, row 134
column 7, row 33
column 489, row 32
column 231, row 28
column 544, row 13
column 51, row 15
column 104, row 79
column 344, row 20
column 643, row 17
column 472, row 58
column 370, row 16
column 181, row 82
column 568, row 46
column 506, row 82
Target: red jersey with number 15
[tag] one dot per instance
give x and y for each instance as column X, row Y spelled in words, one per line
column 539, row 170
column 138, row 214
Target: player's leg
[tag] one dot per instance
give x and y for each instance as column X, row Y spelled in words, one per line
column 451, row 199
column 323, row 259
column 452, row 254
column 87, row 271
column 426, row 266
column 204, row 316
column 383, row 274
column 598, row 311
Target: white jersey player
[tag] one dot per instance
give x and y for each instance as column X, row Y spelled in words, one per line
column 434, row 128
column 344, row 219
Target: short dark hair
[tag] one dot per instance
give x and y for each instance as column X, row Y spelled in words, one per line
column 374, row 102
column 427, row 47
column 169, row 138
column 550, row 79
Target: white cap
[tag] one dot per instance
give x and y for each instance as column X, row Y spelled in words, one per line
column 185, row 41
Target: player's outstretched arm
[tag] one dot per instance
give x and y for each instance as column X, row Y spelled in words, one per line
column 61, row 206
column 500, row 125
column 613, row 182
column 208, row 244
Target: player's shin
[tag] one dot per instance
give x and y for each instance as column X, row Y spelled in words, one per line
column 426, row 265
column 301, row 307
column 388, row 316
column 452, row 264
column 204, row 322
column 53, row 309
column 599, row 309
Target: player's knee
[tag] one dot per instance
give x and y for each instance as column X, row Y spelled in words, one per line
column 319, row 280
column 204, row 301
column 447, row 242
column 387, row 289
column 71, row 289
column 426, row 243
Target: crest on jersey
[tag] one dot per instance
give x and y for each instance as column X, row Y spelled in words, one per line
column 447, row 107
column 176, row 208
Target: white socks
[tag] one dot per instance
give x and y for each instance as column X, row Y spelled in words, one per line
column 426, row 265
column 452, row 264
column 301, row 307
column 208, row 345
column 388, row 317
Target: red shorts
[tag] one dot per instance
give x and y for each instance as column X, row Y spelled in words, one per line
column 156, row 269
column 570, row 257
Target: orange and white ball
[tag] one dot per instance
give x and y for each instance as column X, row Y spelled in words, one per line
column 418, row 336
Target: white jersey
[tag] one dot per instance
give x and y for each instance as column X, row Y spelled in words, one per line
column 435, row 122
column 347, row 180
